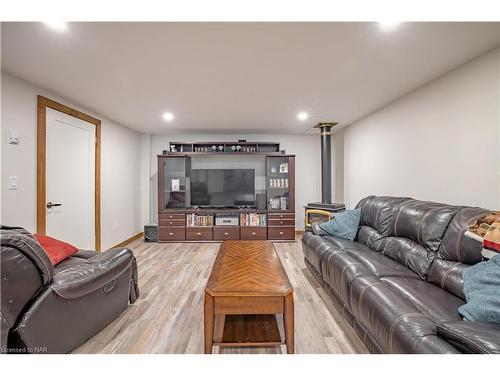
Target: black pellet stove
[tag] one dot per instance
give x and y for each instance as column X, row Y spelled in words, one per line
column 320, row 212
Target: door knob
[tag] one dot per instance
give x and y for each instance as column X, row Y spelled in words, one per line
column 50, row 204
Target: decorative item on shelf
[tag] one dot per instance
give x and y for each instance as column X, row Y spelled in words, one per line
column 274, row 182
column 238, row 148
column 233, row 148
column 172, row 148
column 282, row 183
column 221, row 148
column 283, row 152
column 214, row 148
column 284, row 168
column 273, row 169
column 182, row 148
column 283, row 203
column 274, row 203
column 176, row 184
column 286, row 183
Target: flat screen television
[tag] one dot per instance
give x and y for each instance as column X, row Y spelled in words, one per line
column 222, row 187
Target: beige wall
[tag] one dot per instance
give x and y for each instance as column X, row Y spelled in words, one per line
column 120, row 163
column 440, row 142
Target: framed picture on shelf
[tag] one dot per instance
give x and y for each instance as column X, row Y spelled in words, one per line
column 176, row 184
column 284, row 168
column 274, row 203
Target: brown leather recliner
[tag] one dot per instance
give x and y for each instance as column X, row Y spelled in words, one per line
column 47, row 309
column 399, row 284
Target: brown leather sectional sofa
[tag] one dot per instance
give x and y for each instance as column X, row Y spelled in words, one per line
column 399, row 284
column 47, row 309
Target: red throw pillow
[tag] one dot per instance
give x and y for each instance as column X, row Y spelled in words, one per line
column 55, row 249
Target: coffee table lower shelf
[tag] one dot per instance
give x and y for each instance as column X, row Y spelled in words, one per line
column 250, row 331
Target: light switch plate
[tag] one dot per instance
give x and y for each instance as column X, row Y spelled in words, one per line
column 13, row 183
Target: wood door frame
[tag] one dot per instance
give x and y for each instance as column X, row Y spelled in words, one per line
column 41, row 121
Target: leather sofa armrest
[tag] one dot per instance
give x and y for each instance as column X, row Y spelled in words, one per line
column 472, row 337
column 317, row 230
column 92, row 274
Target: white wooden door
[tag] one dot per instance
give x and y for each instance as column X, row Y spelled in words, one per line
column 70, row 176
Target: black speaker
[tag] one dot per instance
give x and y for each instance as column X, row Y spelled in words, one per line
column 150, row 233
column 260, row 200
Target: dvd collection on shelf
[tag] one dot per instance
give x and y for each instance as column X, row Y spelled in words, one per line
column 194, row 220
column 253, row 220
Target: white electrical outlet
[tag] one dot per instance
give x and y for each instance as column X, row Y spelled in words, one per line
column 13, row 137
column 13, row 183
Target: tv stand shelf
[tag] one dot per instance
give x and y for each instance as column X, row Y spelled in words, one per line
column 175, row 211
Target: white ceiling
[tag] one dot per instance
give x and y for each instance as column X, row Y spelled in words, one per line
column 237, row 77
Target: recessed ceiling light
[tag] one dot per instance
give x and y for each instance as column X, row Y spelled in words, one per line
column 57, row 26
column 168, row 116
column 302, row 116
column 388, row 25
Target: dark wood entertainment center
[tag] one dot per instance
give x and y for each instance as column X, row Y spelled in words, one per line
column 273, row 220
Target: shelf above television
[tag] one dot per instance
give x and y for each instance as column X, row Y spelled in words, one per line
column 222, row 147
column 169, row 153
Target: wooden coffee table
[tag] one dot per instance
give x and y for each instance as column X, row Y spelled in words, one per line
column 246, row 289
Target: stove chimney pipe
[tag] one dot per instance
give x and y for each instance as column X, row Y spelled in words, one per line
column 326, row 160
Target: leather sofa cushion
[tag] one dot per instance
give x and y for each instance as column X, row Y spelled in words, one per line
column 314, row 247
column 448, row 275
column 455, row 245
column 380, row 265
column 25, row 243
column 423, row 222
column 398, row 326
column 370, row 237
column 376, row 216
column 339, row 270
column 377, row 212
column 409, row 253
column 85, row 254
column 434, row 302
column 346, row 244
column 68, row 263
column 472, row 337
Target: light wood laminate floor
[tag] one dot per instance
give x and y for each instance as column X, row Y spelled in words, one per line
column 168, row 316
